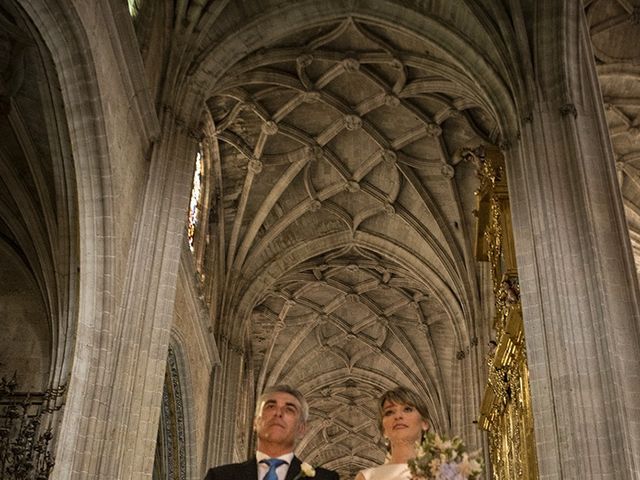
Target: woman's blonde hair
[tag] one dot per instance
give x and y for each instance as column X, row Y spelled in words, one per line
column 404, row 396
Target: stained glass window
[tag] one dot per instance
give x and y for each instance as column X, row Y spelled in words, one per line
column 195, row 203
column 133, row 7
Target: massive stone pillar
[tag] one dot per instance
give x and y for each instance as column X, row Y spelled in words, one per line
column 231, row 414
column 147, row 308
column 579, row 286
column 132, row 200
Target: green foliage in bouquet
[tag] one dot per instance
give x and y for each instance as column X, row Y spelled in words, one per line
column 439, row 458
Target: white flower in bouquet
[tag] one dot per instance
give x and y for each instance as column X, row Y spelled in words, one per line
column 439, row 458
column 469, row 466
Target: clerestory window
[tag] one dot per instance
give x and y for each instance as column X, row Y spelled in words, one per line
column 195, row 204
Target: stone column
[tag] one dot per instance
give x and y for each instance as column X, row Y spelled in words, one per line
column 226, row 439
column 147, row 307
column 578, row 282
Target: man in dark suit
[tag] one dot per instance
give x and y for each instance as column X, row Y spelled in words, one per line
column 281, row 419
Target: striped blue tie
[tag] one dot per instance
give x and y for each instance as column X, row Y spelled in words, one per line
column 273, row 464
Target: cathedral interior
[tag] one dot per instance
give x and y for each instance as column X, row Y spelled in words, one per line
column 203, row 198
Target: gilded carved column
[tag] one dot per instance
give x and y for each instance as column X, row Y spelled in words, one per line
column 506, row 407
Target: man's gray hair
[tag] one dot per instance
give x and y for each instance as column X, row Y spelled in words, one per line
column 284, row 389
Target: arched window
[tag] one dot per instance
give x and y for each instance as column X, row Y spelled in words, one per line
column 195, row 205
column 171, row 456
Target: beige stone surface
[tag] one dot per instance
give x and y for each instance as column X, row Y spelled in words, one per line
column 335, row 247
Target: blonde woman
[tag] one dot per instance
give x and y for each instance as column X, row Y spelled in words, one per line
column 403, row 422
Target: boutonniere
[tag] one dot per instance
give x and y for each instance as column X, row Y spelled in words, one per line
column 306, row 471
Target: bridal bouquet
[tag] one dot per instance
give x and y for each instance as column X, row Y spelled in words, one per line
column 440, row 458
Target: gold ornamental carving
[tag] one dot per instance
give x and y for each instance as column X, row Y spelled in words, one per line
column 506, row 412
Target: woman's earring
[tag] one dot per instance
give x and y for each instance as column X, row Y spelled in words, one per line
column 387, row 447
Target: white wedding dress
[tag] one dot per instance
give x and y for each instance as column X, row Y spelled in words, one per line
column 389, row 471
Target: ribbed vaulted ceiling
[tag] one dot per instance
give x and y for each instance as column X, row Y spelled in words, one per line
column 342, row 206
column 348, row 213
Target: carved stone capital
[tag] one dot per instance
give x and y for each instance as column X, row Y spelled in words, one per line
column 269, row 128
column 314, row 152
column 454, row 113
column 315, row 205
column 352, row 297
column 318, row 152
column 238, row 350
column 389, row 156
column 352, row 186
column 569, row 109
column 391, row 100
column 351, row 64
column 433, row 129
column 504, row 145
column 352, row 122
column 304, row 60
column 254, row 166
column 447, row 171
column 311, row 96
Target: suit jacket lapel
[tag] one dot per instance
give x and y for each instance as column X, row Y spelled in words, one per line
column 294, row 468
column 250, row 469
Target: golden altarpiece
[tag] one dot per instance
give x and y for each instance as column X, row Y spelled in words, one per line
column 506, row 412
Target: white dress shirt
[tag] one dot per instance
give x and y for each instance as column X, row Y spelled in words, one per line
column 281, row 470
